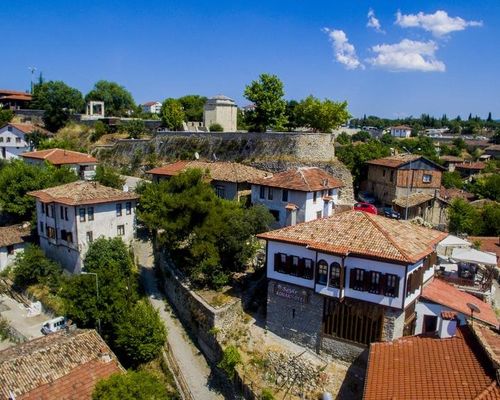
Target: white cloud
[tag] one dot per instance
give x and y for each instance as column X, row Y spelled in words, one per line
column 439, row 23
column 373, row 21
column 345, row 53
column 407, row 55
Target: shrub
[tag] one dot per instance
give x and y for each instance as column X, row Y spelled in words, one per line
column 230, row 359
column 32, row 267
column 216, row 128
column 266, row 394
column 130, row 386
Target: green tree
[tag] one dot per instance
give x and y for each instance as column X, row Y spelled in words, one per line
column 17, row 178
column 361, row 136
column 100, row 129
column 464, row 218
column 216, row 128
column 5, row 116
column 134, row 385
column 108, row 176
column 267, row 95
column 192, row 105
column 322, row 116
column 293, row 119
column 118, row 102
column 452, row 180
column 172, row 114
column 491, row 219
column 31, row 267
column 135, row 128
column 141, row 334
column 343, row 138
column 486, row 187
column 59, row 101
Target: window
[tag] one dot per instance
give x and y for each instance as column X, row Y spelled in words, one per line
column 414, row 281
column 391, row 285
column 375, row 282
column 118, row 209
column 275, row 214
column 357, row 279
column 335, row 275
column 66, row 213
column 284, row 195
column 294, row 265
column 120, row 230
column 61, row 208
column 42, row 207
column 427, row 178
column 392, row 176
column 270, row 193
column 128, row 207
column 330, row 192
column 18, row 140
column 47, row 210
column 8, row 140
column 63, row 234
column 308, row 269
column 69, row 237
column 219, row 191
column 315, row 197
column 82, row 214
column 383, row 172
column 10, row 250
column 90, row 212
column 90, row 237
column 322, row 272
column 51, row 232
column 262, row 192
column 52, row 210
column 1, row 139
column 318, row 214
column 9, row 128
column 280, row 262
column 41, row 227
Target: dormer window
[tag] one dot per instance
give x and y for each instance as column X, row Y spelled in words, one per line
column 315, row 197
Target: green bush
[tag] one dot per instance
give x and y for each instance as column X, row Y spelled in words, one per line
column 32, row 267
column 230, row 359
column 266, row 394
column 216, row 128
column 130, row 386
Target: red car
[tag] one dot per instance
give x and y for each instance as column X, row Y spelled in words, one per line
column 366, row 207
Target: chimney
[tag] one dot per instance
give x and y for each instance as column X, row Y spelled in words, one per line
column 447, row 324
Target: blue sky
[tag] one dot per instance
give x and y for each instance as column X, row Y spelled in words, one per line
column 418, row 61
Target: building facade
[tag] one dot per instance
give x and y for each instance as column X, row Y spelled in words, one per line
column 153, row 107
column 14, row 99
column 337, row 284
column 221, row 110
column 13, row 140
column 297, row 195
column 12, row 241
column 70, row 217
column 401, row 131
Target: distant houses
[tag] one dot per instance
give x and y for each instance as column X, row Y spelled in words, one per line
column 13, row 239
column 71, row 216
column 153, row 107
column 401, row 131
column 14, row 139
column 14, row 99
column 84, row 165
column 298, row 194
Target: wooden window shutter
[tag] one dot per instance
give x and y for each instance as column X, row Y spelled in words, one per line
column 301, row 269
column 381, row 283
column 396, row 286
column 288, row 267
column 367, row 279
column 409, row 287
column 352, row 277
column 277, row 262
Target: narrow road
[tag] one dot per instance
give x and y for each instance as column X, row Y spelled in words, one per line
column 192, row 363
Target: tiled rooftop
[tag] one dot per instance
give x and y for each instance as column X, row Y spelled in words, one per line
column 394, row 161
column 58, row 366
column 306, row 179
column 490, row 341
column 61, row 156
column 82, row 192
column 477, row 165
column 441, row 292
column 454, row 193
column 412, row 200
column 25, row 128
column 219, row 170
column 425, row 368
column 452, row 159
column 14, row 234
column 363, row 234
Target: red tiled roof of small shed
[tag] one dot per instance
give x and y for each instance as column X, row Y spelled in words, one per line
column 424, row 368
column 63, row 365
column 305, row 179
column 478, row 165
column 363, row 234
column 82, row 192
column 441, row 292
column 219, row 170
column 61, row 156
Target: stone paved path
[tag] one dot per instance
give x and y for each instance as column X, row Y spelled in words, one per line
column 192, row 363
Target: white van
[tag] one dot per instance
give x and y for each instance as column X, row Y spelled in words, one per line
column 54, row 325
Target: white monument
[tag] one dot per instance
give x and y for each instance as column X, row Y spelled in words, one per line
column 220, row 110
column 95, row 109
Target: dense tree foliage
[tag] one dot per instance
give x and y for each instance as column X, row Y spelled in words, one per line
column 321, row 116
column 452, row 180
column 32, row 267
column 141, row 334
column 343, row 138
column 17, row 178
column 134, row 385
column 267, row 94
column 59, row 102
column 5, row 116
column 118, row 102
column 135, row 128
column 192, row 106
column 107, row 176
column 361, row 136
column 466, row 218
column 487, row 187
column 172, row 114
column 214, row 236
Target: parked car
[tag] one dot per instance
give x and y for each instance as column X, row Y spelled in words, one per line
column 367, row 197
column 390, row 213
column 369, row 208
column 54, row 325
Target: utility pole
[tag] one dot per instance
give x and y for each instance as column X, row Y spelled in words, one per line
column 32, row 69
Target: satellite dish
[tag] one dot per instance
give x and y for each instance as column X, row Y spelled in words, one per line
column 473, row 307
column 196, row 155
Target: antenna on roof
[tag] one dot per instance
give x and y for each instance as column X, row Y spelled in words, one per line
column 196, row 155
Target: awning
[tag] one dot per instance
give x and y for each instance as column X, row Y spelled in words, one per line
column 474, row 256
column 451, row 240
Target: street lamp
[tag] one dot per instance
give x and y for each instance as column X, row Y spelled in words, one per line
column 97, row 295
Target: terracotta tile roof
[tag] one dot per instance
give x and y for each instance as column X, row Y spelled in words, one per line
column 441, row 292
column 494, row 147
column 82, row 192
column 490, row 341
column 448, row 315
column 16, row 92
column 58, row 366
column 14, row 234
column 61, row 156
column 488, row 243
column 394, row 161
column 25, row 128
column 219, row 170
column 452, row 159
column 363, row 234
column 424, row 368
column 305, row 179
column 412, row 200
column 401, row 127
column 454, row 193
column 150, row 103
column 478, row 165
column 22, row 97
